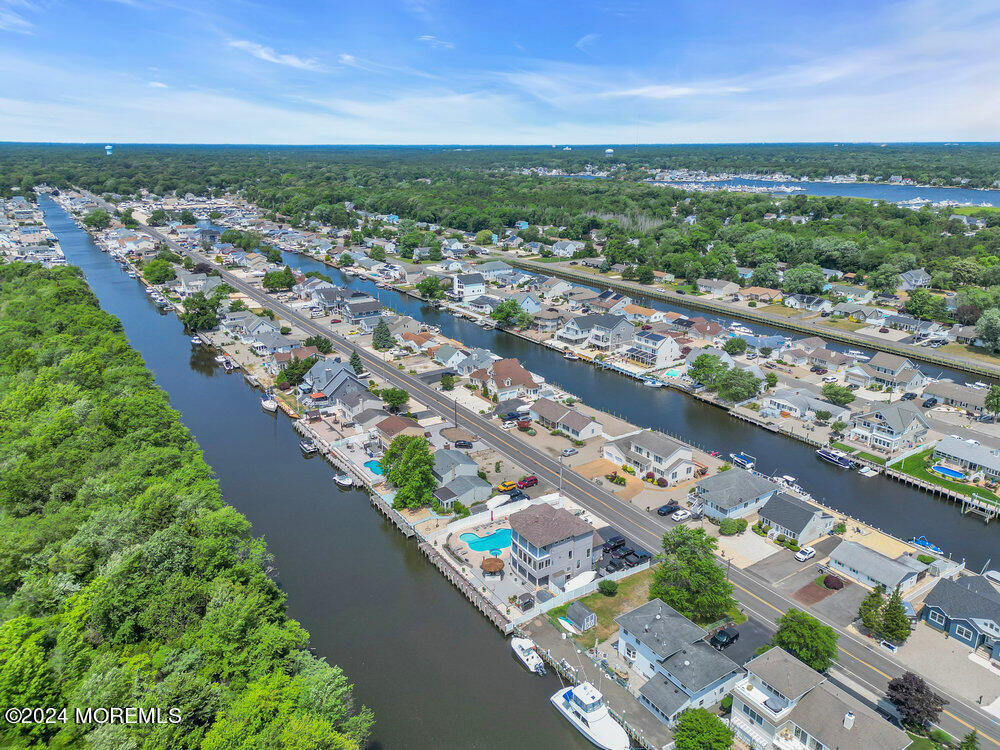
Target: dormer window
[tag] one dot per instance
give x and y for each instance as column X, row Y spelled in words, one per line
column 506, row 382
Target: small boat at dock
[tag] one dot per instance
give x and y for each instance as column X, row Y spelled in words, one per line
column 308, row 447
column 743, row 460
column 269, row 404
column 583, row 706
column 228, row 366
column 524, row 649
column 344, row 479
column 252, row 380
column 867, row 471
column 921, row 541
column 835, row 457
column 196, row 341
column 220, row 358
column 652, row 383
column 570, row 356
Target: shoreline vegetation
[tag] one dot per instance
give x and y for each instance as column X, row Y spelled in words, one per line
column 125, row 578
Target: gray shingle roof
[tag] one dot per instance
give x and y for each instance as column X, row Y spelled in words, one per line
column 655, row 442
column 697, row 666
column 874, row 564
column 970, row 597
column 728, row 489
column 788, row 512
column 976, row 455
column 447, row 459
column 543, row 525
column 668, row 630
column 784, row 673
column 821, row 714
column 663, row 694
column 578, row 612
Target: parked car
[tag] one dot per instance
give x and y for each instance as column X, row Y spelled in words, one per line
column 646, row 327
column 681, row 291
column 825, row 314
column 466, row 444
column 932, row 401
column 622, row 552
column 507, row 486
column 569, row 451
column 883, row 329
column 613, row 543
column 528, row 481
column 909, row 396
column 853, row 386
column 668, row 509
column 806, row 553
column 518, row 495
column 336, row 320
column 507, row 424
column 751, row 355
column 986, row 418
column 614, row 565
column 724, row 639
column 636, row 558
column 821, row 371
column 681, row 515
column 829, row 378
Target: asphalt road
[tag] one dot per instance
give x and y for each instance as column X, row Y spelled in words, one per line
column 862, row 662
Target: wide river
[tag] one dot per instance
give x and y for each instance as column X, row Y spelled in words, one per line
column 435, row 672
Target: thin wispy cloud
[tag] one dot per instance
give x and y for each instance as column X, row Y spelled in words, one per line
column 269, row 54
column 13, row 18
column 584, row 43
column 434, row 42
column 157, row 85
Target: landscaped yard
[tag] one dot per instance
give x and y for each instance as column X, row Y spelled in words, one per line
column 844, row 324
column 842, row 447
column 779, row 309
column 973, row 352
column 915, row 466
column 870, row 457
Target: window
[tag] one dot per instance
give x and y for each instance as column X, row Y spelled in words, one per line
column 936, row 617
column 755, row 717
column 964, row 633
column 571, row 554
column 629, row 651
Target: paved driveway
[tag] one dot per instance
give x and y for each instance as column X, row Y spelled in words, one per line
column 753, row 635
column 782, row 564
column 842, row 607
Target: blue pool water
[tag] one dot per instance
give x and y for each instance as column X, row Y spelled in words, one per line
column 948, row 471
column 374, row 467
column 672, row 373
column 495, row 542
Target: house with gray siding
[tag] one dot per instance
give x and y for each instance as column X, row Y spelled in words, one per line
column 548, row 542
column 648, row 451
column 795, row 518
column 734, row 493
column 871, row 568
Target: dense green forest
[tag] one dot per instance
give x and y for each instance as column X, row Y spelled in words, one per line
column 475, row 189
column 125, row 579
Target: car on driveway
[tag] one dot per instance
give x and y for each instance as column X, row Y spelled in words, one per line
column 724, row 639
column 463, row 444
column 528, row 481
column 928, row 403
column 569, row 451
column 614, row 565
column 518, row 495
column 622, row 552
column 636, row 558
column 508, row 424
column 681, row 515
column 613, row 543
column 909, row 396
column 507, row 486
column 806, row 553
column 668, row 509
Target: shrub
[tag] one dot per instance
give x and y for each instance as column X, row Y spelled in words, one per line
column 833, row 583
column 726, row 704
column 840, row 528
column 731, row 526
column 532, row 432
column 649, row 475
column 792, row 545
column 759, row 531
column 925, row 559
column 608, row 588
column 628, row 469
column 941, row 737
column 284, row 385
column 661, row 482
column 780, row 539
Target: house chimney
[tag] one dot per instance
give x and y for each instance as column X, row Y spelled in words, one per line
column 848, row 720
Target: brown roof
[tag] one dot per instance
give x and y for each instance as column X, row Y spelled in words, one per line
column 417, row 338
column 392, row 426
column 503, row 370
column 543, row 525
column 638, row 310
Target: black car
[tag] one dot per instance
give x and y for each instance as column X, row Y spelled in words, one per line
column 909, row 396
column 724, row 639
column 517, row 495
column 463, row 444
column 636, row 558
column 614, row 565
column 622, row 552
column 668, row 509
column 929, row 402
column 614, row 543
column 681, row 291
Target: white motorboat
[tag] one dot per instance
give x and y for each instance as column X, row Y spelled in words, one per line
column 524, row 648
column 583, row 706
column 220, row 358
column 651, row 383
column 196, row 341
column 269, row 404
column 251, row 379
column 229, row 366
column 867, row 471
column 344, row 479
column 980, row 384
column 570, row 356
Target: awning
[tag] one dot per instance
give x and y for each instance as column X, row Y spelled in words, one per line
column 317, row 396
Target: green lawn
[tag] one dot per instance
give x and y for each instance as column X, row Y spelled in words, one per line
column 779, row 309
column 842, row 447
column 870, row 457
column 973, row 352
column 915, row 466
column 844, row 324
column 921, row 743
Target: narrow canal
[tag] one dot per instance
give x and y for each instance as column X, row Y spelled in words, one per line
column 434, row 671
column 881, row 502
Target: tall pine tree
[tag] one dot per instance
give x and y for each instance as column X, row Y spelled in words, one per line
column 870, row 611
column 895, row 623
column 382, row 338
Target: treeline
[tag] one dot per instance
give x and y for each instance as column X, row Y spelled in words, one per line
column 125, row 579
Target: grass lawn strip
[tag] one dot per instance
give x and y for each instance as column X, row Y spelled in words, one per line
column 914, row 466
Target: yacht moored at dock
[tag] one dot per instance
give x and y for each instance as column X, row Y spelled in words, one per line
column 583, row 706
column 269, row 404
column 743, row 460
column 308, row 447
column 570, row 356
column 835, row 457
column 524, row 648
column 344, row 479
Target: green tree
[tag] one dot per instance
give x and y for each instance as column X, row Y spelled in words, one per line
column 408, row 463
column 988, row 329
column 970, row 741
column 993, row 400
column 158, row 272
column 187, row 217
column 765, row 275
column 201, row 313
column 913, row 698
column 922, row 304
column 394, row 397
column 807, row 278
column 885, row 278
column 447, row 382
column 430, row 287
column 506, row 313
column 771, row 379
column 895, row 624
column 382, row 336
column 159, row 217
column 644, row 275
column 688, row 579
column 294, row 372
column 26, row 677
column 839, row 395
column 870, row 610
column 735, row 345
column 346, row 259
column 283, row 279
column 356, row 363
column 708, row 370
column 97, row 219
column 806, row 638
column 823, row 415
column 838, row 426
column 700, row 729
column 377, row 253
column 322, row 343
column 739, row 385
column 485, row 237
column 607, row 587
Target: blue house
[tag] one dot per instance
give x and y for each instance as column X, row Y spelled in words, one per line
column 521, row 224
column 968, row 610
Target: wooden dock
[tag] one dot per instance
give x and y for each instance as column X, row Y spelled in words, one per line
column 489, row 611
column 969, row 504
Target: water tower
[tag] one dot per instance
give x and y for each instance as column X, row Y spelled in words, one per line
column 608, row 153
column 109, row 150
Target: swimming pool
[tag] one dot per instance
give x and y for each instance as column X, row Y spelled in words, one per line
column 494, row 543
column 374, row 467
column 672, row 373
column 947, row 471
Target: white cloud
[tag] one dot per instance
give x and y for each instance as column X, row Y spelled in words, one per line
column 655, row 91
column 584, row 42
column 434, row 42
column 270, row 55
column 12, row 16
column 157, row 85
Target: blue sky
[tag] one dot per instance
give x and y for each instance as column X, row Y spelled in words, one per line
column 434, row 71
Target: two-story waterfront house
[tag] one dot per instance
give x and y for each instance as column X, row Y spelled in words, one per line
column 889, row 427
column 734, row 493
column 888, row 371
column 653, row 350
column 968, row 610
column 649, row 451
column 785, row 705
column 548, row 542
column 682, row 671
column 467, row 286
column 609, row 333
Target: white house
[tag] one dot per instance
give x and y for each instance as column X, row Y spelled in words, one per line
column 468, row 286
column 648, row 451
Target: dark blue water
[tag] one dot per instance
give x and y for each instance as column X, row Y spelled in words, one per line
column 881, row 502
column 436, row 673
